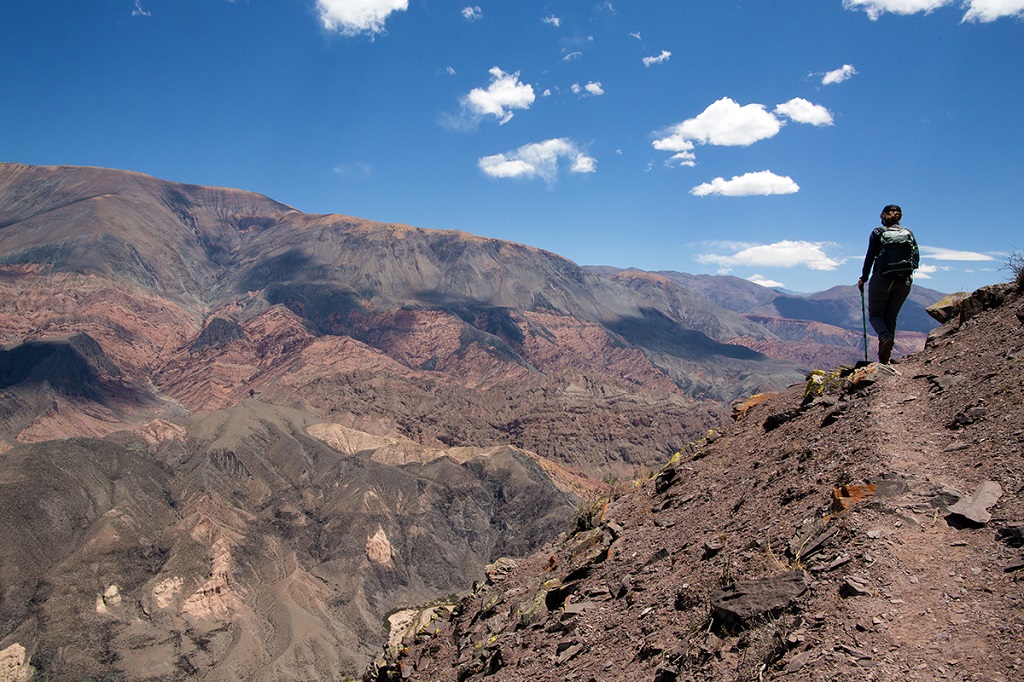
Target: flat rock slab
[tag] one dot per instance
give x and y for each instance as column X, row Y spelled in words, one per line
column 748, row 599
column 975, row 508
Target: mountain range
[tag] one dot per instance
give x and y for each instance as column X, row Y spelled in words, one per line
column 235, row 436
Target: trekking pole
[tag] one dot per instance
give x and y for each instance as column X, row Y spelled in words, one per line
column 864, row 320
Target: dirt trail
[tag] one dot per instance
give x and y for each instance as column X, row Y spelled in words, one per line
column 934, row 610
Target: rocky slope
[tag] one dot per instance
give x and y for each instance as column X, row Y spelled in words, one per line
column 865, row 525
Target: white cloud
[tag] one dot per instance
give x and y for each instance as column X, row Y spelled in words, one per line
column 800, row 110
column 591, row 88
column 635, row 34
column 683, row 158
column 939, row 253
column 352, row 17
column 724, row 123
column 572, row 56
column 450, row 70
column 138, row 11
column 583, row 164
column 761, row 183
column 473, row 13
column 925, row 271
column 663, row 57
column 843, row 73
column 539, row 159
column 990, row 10
column 783, row 254
column 503, row 94
column 552, row 20
column 765, row 282
column 876, row 8
column 977, row 10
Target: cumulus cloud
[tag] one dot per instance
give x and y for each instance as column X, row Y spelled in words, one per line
column 800, row 110
column 977, row 10
column 765, row 282
column 663, row 57
column 876, row 8
column 723, row 123
column 473, row 13
column 926, row 271
column 683, row 158
column 591, row 88
column 843, row 73
column 939, row 253
column 504, row 93
column 352, row 17
column 990, row 10
column 552, row 20
column 727, row 123
column 761, row 183
column 540, row 159
column 783, row 254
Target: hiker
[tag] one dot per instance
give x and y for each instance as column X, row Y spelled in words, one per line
column 893, row 254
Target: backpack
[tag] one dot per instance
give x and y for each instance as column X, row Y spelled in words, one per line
column 899, row 251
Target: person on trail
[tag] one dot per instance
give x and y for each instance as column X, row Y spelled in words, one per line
column 892, row 256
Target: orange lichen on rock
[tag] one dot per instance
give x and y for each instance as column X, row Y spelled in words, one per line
column 846, row 496
column 740, row 408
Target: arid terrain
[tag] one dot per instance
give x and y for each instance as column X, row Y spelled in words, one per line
column 865, row 525
column 235, row 438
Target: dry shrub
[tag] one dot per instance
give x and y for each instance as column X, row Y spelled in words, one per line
column 1015, row 264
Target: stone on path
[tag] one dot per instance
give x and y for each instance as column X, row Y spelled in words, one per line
column 975, row 507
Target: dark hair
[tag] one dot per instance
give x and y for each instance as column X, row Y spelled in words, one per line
column 891, row 214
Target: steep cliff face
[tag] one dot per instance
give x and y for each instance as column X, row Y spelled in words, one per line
column 868, row 524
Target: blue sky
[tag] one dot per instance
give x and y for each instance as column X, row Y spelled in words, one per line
column 758, row 138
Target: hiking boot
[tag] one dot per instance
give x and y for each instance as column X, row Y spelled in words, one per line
column 885, row 345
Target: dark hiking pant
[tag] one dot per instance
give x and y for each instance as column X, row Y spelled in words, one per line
column 886, row 294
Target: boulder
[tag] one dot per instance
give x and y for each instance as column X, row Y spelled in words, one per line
column 947, row 308
column 962, row 306
column 749, row 599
